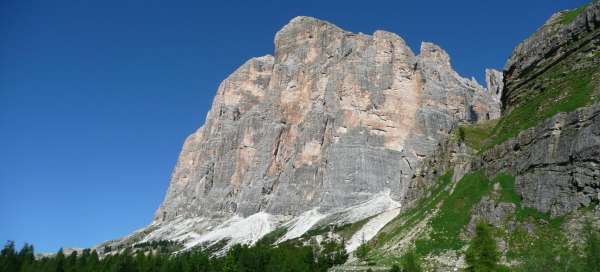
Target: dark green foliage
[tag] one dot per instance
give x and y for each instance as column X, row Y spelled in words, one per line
column 591, row 250
column 395, row 268
column 461, row 133
column 286, row 257
column 482, row 255
column 272, row 236
column 162, row 246
column 362, row 252
column 410, row 262
column 9, row 261
column 331, row 253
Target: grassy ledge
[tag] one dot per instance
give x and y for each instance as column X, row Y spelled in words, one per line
column 568, row 85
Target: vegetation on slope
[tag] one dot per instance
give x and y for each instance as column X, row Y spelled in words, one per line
column 483, row 254
column 453, row 215
column 565, row 86
column 533, row 241
column 569, row 16
column 408, row 219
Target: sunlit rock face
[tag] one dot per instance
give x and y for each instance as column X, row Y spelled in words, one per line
column 331, row 120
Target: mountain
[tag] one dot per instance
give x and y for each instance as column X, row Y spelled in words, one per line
column 333, row 120
column 354, row 136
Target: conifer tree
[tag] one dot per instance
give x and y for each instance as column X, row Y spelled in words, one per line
column 362, row 251
column 410, row 262
column 8, row 257
column 482, row 255
column 395, row 268
column 591, row 249
column 59, row 261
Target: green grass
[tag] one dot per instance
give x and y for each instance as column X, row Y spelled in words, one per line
column 346, row 231
column 565, row 94
column 508, row 193
column 317, row 231
column 569, row 16
column 475, row 135
column 521, row 243
column 272, row 237
column 559, row 89
column 407, row 220
column 565, row 86
column 454, row 215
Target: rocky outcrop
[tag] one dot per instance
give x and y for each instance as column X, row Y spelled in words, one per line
column 556, row 162
column 555, row 40
column 490, row 212
column 495, row 84
column 556, row 165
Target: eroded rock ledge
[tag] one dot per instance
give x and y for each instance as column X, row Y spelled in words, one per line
column 556, row 164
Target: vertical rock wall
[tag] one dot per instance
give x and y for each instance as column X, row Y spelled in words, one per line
column 328, row 122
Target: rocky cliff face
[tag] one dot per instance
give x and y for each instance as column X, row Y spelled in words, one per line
column 332, row 120
column 556, row 40
column 557, row 69
column 557, row 164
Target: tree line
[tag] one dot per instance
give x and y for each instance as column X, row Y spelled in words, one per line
column 262, row 256
column 482, row 255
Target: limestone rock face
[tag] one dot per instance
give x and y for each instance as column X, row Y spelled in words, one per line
column 495, row 85
column 332, row 119
column 555, row 40
column 557, row 164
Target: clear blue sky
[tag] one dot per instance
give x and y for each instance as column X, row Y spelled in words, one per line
column 96, row 97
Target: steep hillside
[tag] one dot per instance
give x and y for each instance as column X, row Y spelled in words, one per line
column 533, row 174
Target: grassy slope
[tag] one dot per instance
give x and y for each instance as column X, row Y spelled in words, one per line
column 520, row 243
column 408, row 219
column 452, row 211
column 453, row 215
column 572, row 83
column 564, row 87
column 569, row 16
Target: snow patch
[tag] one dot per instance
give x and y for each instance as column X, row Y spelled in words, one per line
column 237, row 230
column 381, row 203
column 201, row 231
column 302, row 224
column 371, row 228
column 180, row 229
